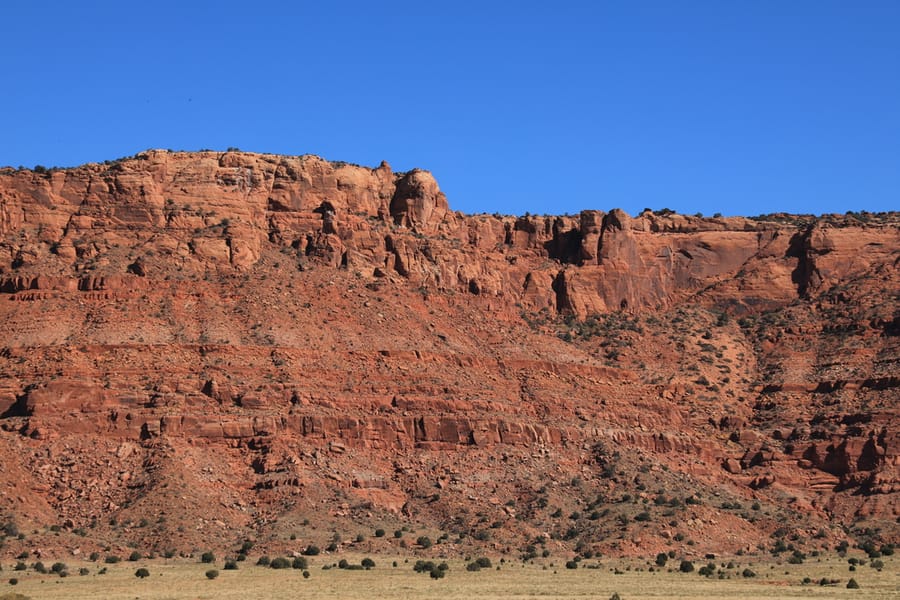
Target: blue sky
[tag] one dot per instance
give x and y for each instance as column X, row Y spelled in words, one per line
column 736, row 107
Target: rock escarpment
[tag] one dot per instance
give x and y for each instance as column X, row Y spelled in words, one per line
column 290, row 339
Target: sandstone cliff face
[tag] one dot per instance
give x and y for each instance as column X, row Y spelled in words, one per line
column 286, row 337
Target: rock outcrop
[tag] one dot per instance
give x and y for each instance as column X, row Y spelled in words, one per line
column 289, row 338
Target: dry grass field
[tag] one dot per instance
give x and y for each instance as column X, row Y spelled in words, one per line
column 631, row 580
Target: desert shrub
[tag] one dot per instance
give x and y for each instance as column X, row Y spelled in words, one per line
column 642, row 516
column 299, row 563
column 13, row 581
column 482, row 562
column 39, row 567
column 707, row 570
column 436, row 572
column 311, row 550
column 877, row 564
column 246, row 547
column 20, row 566
column 398, row 534
column 305, row 574
column 379, row 533
column 94, row 557
column 368, row 563
column 58, row 567
column 280, row 563
column 263, row 561
column 134, row 556
column 212, row 574
column 748, row 573
column 10, row 529
column 207, row 557
column 852, row 584
column 230, row 565
column 111, row 559
column 84, row 571
column 571, row 564
column 530, row 553
column 142, row 573
column 423, row 566
column 686, row 566
column 343, row 563
column 424, row 541
column 661, row 559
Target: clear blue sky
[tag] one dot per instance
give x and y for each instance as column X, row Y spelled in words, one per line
column 739, row 107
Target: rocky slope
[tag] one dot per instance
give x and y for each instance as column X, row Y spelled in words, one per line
column 203, row 348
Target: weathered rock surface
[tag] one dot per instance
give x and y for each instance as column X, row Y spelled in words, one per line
column 228, row 344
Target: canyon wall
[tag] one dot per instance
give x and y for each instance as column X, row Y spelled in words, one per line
column 286, row 338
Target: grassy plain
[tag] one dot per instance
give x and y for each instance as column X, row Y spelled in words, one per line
column 186, row 580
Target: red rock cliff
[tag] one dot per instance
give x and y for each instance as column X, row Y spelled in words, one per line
column 284, row 336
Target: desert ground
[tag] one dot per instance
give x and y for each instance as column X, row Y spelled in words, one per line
column 186, row 578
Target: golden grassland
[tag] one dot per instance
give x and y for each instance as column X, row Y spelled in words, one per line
column 632, row 580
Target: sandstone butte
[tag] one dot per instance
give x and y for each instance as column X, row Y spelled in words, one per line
column 205, row 348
